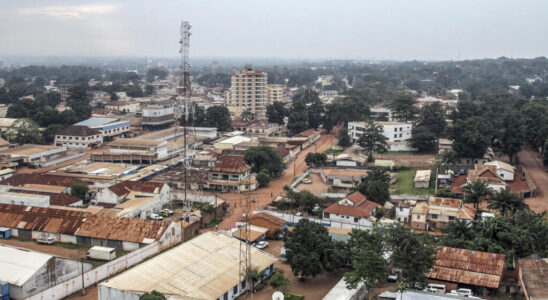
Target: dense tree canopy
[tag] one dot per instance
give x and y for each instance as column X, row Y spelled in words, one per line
column 264, row 158
column 276, row 113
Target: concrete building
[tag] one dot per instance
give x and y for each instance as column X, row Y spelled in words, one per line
column 354, row 209
column 117, row 193
column 275, row 93
column 437, row 212
column 109, row 127
column 422, row 178
column 231, row 173
column 351, row 157
column 396, row 133
column 231, row 142
column 24, row 199
column 130, row 107
column 139, row 146
column 381, row 113
column 261, row 128
column 249, row 92
column 79, row 137
column 157, row 116
column 205, row 267
column 29, row 272
column 504, row 170
column 207, row 132
column 33, row 154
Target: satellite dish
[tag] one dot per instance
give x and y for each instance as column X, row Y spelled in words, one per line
column 278, row 295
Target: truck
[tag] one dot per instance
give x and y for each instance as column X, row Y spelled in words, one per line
column 101, row 253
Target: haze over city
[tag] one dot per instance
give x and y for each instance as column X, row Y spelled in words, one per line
column 352, row 29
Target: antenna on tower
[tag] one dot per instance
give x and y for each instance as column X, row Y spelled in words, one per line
column 184, row 93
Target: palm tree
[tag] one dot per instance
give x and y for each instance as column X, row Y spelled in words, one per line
column 460, row 228
column 474, row 191
column 505, row 201
column 447, row 158
column 378, row 174
column 247, row 115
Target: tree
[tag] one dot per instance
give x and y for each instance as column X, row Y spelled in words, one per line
column 460, row 229
column 375, row 186
column 134, row 90
column 218, row 116
column 51, row 131
column 432, row 117
column 505, row 201
column 298, row 116
column 344, row 138
column 149, row 90
column 263, row 178
column 512, row 134
column 315, row 160
column 278, row 282
column 247, row 115
column 79, row 190
column 373, row 139
column 445, row 193
column 534, row 117
column 315, row 113
column 403, row 107
column 471, row 137
column 545, row 153
column 264, row 157
column 154, row 295
column 369, row 267
column 276, row 112
column 310, row 250
column 411, row 253
column 196, row 116
column 25, row 131
column 78, row 101
column 423, row 139
column 474, row 191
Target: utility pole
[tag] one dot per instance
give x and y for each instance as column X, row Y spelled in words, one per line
column 184, row 95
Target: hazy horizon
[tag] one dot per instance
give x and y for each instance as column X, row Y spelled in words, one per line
column 304, row 30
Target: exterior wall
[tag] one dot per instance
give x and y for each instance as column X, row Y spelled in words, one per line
column 172, row 236
column 78, row 142
column 401, row 147
column 42, row 202
column 418, row 221
column 5, row 176
column 348, row 219
column 129, row 107
column 396, row 132
column 130, row 246
column 403, row 214
column 346, row 163
column 114, row 129
column 71, row 286
column 107, row 196
column 422, row 184
column 506, row 175
column 249, row 91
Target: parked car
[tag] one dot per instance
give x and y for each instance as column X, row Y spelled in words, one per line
column 462, row 292
column 307, row 181
column 46, row 241
column 262, row 244
column 393, row 277
column 224, row 191
column 155, row 217
column 435, row 288
column 168, row 211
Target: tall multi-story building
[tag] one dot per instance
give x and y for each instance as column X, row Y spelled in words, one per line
column 248, row 92
column 156, row 116
column 275, row 93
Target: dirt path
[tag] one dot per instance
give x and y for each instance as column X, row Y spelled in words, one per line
column 531, row 160
column 48, row 249
column 264, row 196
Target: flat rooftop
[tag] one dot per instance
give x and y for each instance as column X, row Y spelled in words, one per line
column 27, row 150
column 355, row 173
column 101, row 169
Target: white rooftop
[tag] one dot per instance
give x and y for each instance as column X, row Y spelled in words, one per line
column 18, row 266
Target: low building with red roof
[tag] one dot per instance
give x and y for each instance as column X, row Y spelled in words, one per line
column 231, row 173
column 355, row 209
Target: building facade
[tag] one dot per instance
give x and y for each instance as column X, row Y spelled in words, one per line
column 157, row 116
column 249, row 92
column 79, row 137
column 275, row 93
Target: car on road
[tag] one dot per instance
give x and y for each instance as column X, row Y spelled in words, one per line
column 261, row 244
column 46, row 241
column 168, row 211
column 155, row 217
column 462, row 292
column 307, row 181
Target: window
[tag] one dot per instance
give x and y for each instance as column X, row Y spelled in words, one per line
column 400, row 134
column 451, row 218
column 401, row 208
column 434, row 216
column 395, row 129
column 235, row 289
column 225, row 296
column 401, row 128
column 395, row 135
column 326, row 215
column 418, row 217
column 355, row 220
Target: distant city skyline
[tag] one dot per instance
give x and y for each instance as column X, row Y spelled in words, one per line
column 285, row 29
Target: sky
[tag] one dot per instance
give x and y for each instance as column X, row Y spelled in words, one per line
column 291, row 29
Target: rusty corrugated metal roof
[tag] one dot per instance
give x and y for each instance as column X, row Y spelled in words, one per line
column 122, row 229
column 468, row 267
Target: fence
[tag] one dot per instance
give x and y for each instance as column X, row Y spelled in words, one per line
column 98, row 274
column 294, row 219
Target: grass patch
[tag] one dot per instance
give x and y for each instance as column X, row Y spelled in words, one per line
column 406, row 184
column 214, row 222
column 73, row 247
column 402, row 153
column 293, row 296
column 332, row 151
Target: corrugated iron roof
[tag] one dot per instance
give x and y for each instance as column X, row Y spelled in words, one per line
column 468, row 267
column 534, row 275
column 44, row 179
column 18, row 266
column 122, row 229
column 231, row 164
column 125, row 187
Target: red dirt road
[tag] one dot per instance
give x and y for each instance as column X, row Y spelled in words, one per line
column 264, row 196
column 531, row 160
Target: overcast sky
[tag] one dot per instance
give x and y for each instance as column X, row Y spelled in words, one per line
column 347, row 29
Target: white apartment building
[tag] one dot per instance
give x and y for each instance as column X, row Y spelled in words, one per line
column 249, row 92
column 157, row 115
column 275, row 93
column 79, row 137
column 397, row 133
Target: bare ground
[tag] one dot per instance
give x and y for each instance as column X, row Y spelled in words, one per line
column 532, row 161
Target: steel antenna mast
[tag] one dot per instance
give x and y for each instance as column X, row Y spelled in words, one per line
column 185, row 92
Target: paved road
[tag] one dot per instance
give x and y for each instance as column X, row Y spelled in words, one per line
column 264, row 196
column 531, row 160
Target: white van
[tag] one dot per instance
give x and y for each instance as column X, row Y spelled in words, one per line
column 435, row 288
